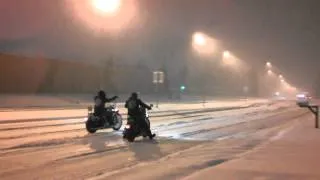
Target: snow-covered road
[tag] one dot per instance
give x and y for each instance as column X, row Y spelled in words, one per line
column 57, row 146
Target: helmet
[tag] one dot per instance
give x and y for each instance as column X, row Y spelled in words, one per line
column 101, row 94
column 134, row 95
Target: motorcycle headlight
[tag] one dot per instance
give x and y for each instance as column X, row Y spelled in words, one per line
column 127, row 126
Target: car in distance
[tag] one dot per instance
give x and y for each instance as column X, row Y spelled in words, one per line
column 303, row 99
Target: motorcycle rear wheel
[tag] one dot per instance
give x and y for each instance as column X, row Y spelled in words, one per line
column 129, row 135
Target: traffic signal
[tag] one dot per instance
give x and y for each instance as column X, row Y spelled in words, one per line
column 182, row 88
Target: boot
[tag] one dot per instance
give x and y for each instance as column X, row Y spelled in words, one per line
column 152, row 136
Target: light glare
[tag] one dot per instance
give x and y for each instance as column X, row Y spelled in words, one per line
column 226, row 54
column 203, row 44
column 107, row 6
column 104, row 17
column 268, row 64
column 199, row 39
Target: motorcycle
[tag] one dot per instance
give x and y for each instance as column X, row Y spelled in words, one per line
column 94, row 123
column 132, row 130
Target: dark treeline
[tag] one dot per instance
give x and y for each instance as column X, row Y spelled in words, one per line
column 40, row 75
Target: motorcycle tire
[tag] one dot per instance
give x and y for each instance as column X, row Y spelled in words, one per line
column 131, row 138
column 90, row 127
column 118, row 122
column 125, row 134
column 144, row 134
column 148, row 122
column 128, row 135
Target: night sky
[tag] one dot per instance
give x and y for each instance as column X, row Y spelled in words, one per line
column 285, row 32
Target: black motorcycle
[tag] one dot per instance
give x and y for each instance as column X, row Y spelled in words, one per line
column 94, row 123
column 132, row 130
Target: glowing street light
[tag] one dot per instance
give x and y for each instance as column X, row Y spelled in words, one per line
column 182, row 88
column 230, row 60
column 199, row 39
column 107, row 6
column 280, row 76
column 203, row 44
column 270, row 72
column 268, row 65
column 104, row 17
column 226, row 54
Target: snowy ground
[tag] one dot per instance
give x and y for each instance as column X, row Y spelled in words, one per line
column 53, row 144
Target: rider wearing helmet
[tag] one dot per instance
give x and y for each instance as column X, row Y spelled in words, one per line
column 99, row 108
column 133, row 104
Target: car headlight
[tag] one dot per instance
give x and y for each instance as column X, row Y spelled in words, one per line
column 301, row 96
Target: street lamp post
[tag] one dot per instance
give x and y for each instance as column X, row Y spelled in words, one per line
column 104, row 8
column 200, row 44
column 246, row 91
column 100, row 76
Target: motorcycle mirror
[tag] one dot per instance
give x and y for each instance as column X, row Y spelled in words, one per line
column 151, row 105
column 90, row 108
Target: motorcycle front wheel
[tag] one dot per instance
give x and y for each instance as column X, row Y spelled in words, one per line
column 117, row 119
column 90, row 127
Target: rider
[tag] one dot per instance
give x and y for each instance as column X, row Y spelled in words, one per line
column 99, row 108
column 133, row 104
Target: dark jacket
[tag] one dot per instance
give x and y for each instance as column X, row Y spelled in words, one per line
column 133, row 105
column 100, row 102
